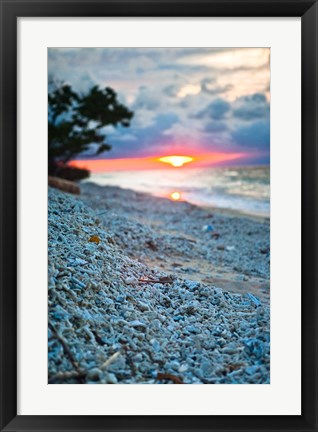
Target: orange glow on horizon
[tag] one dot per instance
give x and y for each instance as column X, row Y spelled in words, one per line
column 176, row 161
column 153, row 163
column 176, row 196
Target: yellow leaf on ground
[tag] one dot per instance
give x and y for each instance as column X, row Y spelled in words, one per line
column 94, row 239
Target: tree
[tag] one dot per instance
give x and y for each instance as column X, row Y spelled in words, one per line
column 75, row 122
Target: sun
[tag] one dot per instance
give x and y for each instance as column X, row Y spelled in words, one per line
column 176, row 161
column 175, row 196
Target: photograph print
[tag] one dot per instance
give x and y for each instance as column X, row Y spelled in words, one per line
column 159, row 215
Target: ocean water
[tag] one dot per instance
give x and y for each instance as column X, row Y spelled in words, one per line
column 245, row 189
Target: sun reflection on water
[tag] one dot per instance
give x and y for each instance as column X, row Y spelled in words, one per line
column 176, row 196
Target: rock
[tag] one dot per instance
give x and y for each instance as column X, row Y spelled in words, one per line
column 183, row 368
column 143, row 306
column 131, row 280
column 173, row 365
column 138, row 325
column 206, row 368
column 254, row 347
column 138, row 358
column 208, row 228
column 155, row 345
column 251, row 370
column 254, row 299
column 231, row 348
column 111, row 378
column 94, row 374
column 192, row 285
column 192, row 329
column 77, row 282
column 265, row 250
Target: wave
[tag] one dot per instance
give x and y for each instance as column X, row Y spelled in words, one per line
column 245, row 189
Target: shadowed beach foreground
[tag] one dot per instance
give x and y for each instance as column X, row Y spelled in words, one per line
column 146, row 290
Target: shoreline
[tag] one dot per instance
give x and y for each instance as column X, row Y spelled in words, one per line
column 142, row 291
column 218, row 210
column 237, row 213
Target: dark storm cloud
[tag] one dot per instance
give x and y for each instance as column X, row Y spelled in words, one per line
column 147, row 140
column 215, row 110
column 255, row 135
column 252, row 107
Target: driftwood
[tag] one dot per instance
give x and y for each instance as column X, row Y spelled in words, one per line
column 64, row 185
column 162, row 280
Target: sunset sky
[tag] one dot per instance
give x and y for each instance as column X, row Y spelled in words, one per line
column 198, row 102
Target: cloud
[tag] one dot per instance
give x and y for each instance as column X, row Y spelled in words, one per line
column 208, row 86
column 128, row 137
column 251, row 107
column 255, row 135
column 183, row 98
column 215, row 126
column 146, row 99
column 215, row 110
column 147, row 140
column 189, row 89
column 229, row 58
column 171, row 90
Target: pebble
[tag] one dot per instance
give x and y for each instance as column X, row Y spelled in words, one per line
column 155, row 345
column 192, row 329
column 143, row 306
column 131, row 281
column 77, row 282
column 208, row 228
column 137, row 324
column 231, row 348
column 206, row 368
column 94, row 374
column 192, row 285
column 111, row 378
column 183, row 368
column 254, row 299
column 251, row 370
column 137, row 358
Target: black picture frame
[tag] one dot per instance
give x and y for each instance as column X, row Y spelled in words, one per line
column 10, row 11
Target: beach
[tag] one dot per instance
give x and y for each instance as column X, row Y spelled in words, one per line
column 240, row 189
column 147, row 290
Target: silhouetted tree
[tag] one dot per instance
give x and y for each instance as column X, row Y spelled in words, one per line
column 75, row 122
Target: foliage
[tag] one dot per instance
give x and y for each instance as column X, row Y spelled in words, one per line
column 76, row 122
column 69, row 172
